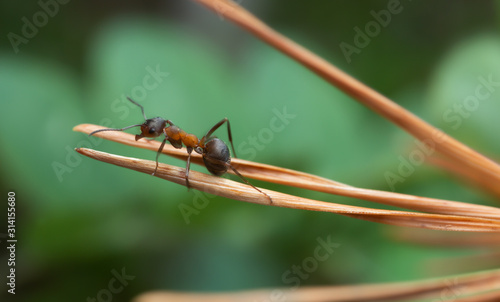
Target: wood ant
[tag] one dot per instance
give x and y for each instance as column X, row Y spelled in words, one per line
column 214, row 151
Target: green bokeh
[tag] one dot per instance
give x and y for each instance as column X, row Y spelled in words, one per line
column 79, row 219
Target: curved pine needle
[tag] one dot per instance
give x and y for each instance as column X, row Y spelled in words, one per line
column 493, row 296
column 453, row 287
column 463, row 263
column 311, row 182
column 444, row 239
column 445, row 144
column 239, row 191
column 482, row 181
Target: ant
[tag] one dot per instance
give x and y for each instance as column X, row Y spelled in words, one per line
column 214, row 151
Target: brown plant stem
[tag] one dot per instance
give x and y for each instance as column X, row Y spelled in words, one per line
column 482, row 181
column 445, row 144
column 453, row 286
column 238, row 191
column 312, row 182
column 456, row 264
column 444, row 239
column 491, row 296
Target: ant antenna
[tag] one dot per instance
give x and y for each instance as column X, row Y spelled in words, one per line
column 128, row 127
column 140, row 106
column 101, row 130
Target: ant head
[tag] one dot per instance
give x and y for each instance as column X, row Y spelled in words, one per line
column 152, row 127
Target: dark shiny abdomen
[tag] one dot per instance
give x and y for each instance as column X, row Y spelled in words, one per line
column 216, row 156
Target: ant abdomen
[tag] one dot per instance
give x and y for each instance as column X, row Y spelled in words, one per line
column 216, row 156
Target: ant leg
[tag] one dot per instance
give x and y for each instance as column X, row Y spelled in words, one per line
column 140, row 106
column 211, row 131
column 188, row 165
column 228, row 165
column 158, row 154
column 231, row 138
column 247, row 182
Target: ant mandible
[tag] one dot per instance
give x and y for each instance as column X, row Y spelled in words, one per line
column 214, row 151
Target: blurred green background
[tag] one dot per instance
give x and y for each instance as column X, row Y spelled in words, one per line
column 78, row 220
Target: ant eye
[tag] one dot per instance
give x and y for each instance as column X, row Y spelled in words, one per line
column 152, row 130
